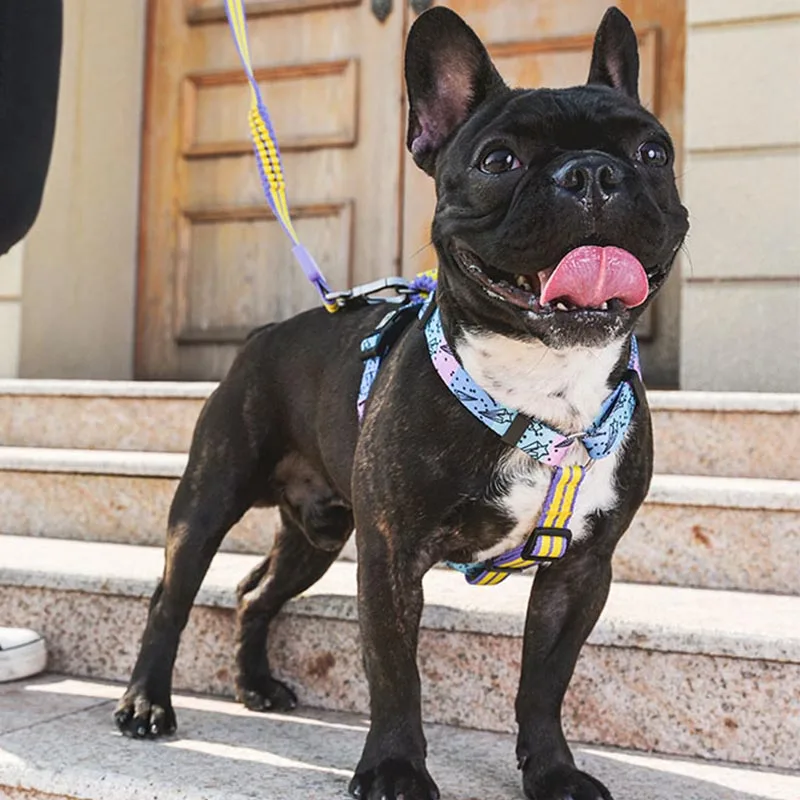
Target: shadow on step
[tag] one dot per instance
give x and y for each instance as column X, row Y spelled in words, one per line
column 58, row 731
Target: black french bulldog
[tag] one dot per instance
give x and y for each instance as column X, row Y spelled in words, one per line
column 557, row 222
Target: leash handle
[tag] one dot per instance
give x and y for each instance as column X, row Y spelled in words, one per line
column 268, row 156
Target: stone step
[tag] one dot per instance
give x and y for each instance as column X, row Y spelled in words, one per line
column 686, row 672
column 104, row 495
column 57, row 743
column 728, row 434
column 101, row 415
column 725, row 533
column 697, row 433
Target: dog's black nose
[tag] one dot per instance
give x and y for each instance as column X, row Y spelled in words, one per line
column 589, row 178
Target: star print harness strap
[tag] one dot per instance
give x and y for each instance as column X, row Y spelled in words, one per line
column 551, row 537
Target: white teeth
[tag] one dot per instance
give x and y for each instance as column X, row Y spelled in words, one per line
column 522, row 283
column 604, row 307
column 561, row 306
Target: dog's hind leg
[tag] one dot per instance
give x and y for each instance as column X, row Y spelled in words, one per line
column 216, row 489
column 293, row 565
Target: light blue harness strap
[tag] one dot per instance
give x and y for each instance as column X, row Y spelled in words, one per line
column 534, row 437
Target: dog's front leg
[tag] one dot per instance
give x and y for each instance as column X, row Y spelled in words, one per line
column 565, row 603
column 392, row 765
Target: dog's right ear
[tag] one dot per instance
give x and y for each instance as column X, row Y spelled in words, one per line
column 615, row 55
column 448, row 75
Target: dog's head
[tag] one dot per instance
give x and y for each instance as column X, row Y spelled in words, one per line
column 557, row 213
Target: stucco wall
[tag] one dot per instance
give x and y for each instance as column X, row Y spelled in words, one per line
column 740, row 321
column 79, row 264
column 10, row 310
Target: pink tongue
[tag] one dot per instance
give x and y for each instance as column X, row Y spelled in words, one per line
column 589, row 276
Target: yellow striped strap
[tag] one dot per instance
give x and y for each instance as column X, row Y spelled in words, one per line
column 549, row 540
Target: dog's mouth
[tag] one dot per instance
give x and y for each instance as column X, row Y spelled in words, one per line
column 589, row 278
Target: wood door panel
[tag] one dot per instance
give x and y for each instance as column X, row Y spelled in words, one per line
column 200, row 11
column 549, row 43
column 318, row 34
column 317, row 104
column 510, row 20
column 221, row 305
column 213, row 262
column 331, row 75
column 213, row 183
column 564, row 61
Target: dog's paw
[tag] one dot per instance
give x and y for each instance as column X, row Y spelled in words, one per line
column 394, row 780
column 267, row 694
column 139, row 716
column 565, row 783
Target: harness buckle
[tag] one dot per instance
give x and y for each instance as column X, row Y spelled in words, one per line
column 387, row 332
column 633, row 378
column 529, row 548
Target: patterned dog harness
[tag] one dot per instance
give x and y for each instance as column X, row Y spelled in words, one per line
column 551, row 536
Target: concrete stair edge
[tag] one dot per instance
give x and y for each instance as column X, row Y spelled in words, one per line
column 56, row 387
column 740, row 705
column 223, row 751
column 659, row 400
column 701, row 490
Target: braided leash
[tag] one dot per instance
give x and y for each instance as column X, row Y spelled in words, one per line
column 268, row 156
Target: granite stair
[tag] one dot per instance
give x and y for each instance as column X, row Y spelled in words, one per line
column 686, row 672
column 693, row 530
column 725, row 434
column 696, row 657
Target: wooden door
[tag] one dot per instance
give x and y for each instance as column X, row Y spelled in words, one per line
column 549, row 43
column 213, row 261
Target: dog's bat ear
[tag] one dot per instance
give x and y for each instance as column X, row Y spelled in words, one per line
column 615, row 56
column 448, row 75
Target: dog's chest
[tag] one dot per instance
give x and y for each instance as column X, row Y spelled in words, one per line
column 564, row 388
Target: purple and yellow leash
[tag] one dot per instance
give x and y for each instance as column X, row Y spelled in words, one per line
column 270, row 168
column 268, row 156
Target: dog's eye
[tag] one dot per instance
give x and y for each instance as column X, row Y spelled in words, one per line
column 499, row 160
column 654, row 154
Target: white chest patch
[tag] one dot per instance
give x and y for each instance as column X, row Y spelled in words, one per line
column 563, row 388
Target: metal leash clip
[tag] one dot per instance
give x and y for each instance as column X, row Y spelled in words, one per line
column 364, row 294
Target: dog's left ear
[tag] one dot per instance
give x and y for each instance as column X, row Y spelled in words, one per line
column 448, row 75
column 615, row 56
